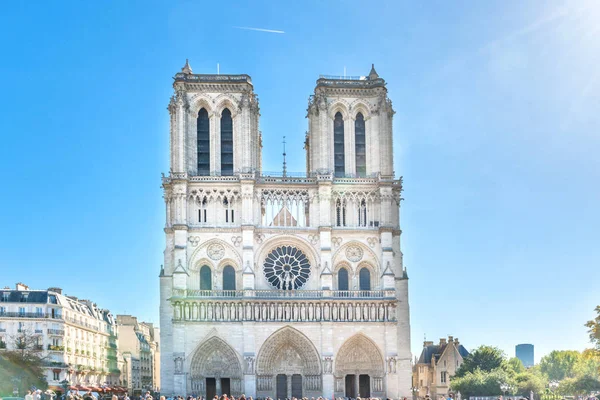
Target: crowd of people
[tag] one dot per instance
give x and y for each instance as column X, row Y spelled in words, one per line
column 243, row 397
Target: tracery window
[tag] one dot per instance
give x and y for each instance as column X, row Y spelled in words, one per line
column 202, row 214
column 364, row 277
column 360, row 145
column 340, row 213
column 362, row 213
column 338, row 145
column 203, row 142
column 205, row 278
column 286, row 268
column 226, row 143
column 228, row 278
column 229, row 212
column 343, row 279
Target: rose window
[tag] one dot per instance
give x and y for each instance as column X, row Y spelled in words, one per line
column 286, row 268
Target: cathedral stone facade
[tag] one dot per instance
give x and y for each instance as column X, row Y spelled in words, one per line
column 283, row 284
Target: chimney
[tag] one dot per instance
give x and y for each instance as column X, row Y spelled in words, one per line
column 55, row 290
column 450, row 339
column 426, row 343
column 456, row 342
column 22, row 286
column 442, row 341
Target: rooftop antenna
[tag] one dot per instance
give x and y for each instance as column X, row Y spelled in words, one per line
column 284, row 164
column 218, row 69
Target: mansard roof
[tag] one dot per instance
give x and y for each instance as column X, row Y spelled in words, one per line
column 436, row 351
column 24, row 296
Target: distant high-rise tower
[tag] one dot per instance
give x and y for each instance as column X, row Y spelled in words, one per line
column 524, row 352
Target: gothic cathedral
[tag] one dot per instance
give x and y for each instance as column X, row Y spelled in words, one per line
column 283, row 285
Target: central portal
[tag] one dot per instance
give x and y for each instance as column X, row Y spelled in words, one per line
column 287, row 366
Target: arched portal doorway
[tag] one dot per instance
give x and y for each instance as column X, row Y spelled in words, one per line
column 359, row 369
column 288, row 365
column 215, row 369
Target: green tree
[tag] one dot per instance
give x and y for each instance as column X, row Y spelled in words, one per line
column 515, row 365
column 588, row 364
column 582, row 385
column 481, row 383
column 559, row 365
column 530, row 381
column 21, row 365
column 484, row 358
column 594, row 329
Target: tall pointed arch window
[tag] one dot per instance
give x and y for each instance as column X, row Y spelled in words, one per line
column 203, row 142
column 362, row 213
column 340, row 213
column 205, row 278
column 338, row 145
column 228, row 278
column 343, row 279
column 360, row 145
column 226, row 143
column 364, row 277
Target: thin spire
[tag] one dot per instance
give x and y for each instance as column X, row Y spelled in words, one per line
column 284, row 163
column 373, row 74
column 187, row 69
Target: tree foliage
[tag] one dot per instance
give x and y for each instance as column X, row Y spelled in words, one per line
column 515, row 365
column 22, row 365
column 594, row 329
column 582, row 385
column 484, row 358
column 559, row 365
column 480, row 383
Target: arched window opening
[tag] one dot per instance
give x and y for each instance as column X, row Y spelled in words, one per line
column 340, row 213
column 205, row 278
column 228, row 278
column 226, row 143
column 338, row 145
column 202, row 211
column 343, row 279
column 360, row 145
column 365, row 279
column 362, row 213
column 203, row 142
column 229, row 212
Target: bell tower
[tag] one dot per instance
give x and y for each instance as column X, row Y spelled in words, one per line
column 350, row 127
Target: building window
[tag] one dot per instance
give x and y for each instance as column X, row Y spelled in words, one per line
column 443, row 377
column 56, row 375
column 362, row 213
column 203, row 142
column 340, row 213
column 360, row 145
column 202, row 211
column 365, row 278
column 21, row 310
column 343, row 279
column 205, row 278
column 228, row 278
column 226, row 143
column 338, row 145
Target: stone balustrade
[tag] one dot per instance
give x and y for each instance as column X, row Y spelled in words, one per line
column 179, row 294
column 231, row 310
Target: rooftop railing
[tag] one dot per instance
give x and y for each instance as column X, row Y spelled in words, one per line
column 285, row 294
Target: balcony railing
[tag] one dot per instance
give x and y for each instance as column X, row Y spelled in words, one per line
column 28, row 315
column 285, row 294
column 57, row 332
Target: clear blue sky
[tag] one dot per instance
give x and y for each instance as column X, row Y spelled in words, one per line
column 496, row 135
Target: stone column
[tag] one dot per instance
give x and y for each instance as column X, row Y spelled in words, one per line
column 289, row 386
column 218, row 384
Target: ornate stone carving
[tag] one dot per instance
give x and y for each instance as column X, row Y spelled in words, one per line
column 249, row 365
column 288, row 351
column 354, row 253
column 178, row 359
column 359, row 355
column 236, row 240
column 391, row 364
column 259, row 237
column 372, row 241
column 313, row 239
column 327, row 365
column 194, row 240
column 336, row 241
column 215, row 251
column 214, row 357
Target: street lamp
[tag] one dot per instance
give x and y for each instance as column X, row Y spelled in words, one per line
column 415, row 390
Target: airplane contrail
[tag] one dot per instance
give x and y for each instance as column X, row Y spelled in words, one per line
column 258, row 29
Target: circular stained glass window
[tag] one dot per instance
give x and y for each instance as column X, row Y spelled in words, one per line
column 286, row 268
